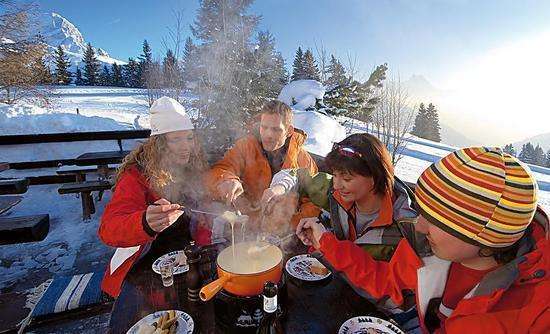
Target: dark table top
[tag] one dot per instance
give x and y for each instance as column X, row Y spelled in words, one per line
column 309, row 308
column 101, row 158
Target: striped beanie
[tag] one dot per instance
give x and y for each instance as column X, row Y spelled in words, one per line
column 480, row 195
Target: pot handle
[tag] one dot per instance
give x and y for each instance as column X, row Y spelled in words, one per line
column 211, row 289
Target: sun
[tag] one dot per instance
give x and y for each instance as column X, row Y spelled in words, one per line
column 506, row 87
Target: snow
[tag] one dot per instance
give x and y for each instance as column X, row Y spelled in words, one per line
column 72, row 245
column 302, row 94
column 322, row 131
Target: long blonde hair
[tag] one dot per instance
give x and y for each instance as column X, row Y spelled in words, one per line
column 147, row 157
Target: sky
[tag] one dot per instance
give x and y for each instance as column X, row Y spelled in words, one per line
column 489, row 57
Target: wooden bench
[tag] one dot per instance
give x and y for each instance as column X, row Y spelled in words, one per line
column 8, row 202
column 85, row 189
column 24, row 229
column 13, row 186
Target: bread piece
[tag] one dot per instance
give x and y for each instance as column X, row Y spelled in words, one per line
column 318, row 269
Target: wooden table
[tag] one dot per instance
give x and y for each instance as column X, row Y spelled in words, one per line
column 8, row 202
column 310, row 309
column 101, row 158
column 14, row 186
column 81, row 171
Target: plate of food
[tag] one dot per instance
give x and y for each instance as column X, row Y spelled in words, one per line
column 306, row 268
column 180, row 262
column 368, row 325
column 164, row 322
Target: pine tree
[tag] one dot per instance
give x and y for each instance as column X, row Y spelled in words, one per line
column 433, row 121
column 337, row 73
column 145, row 60
column 91, row 66
column 105, row 78
column 527, row 153
column 426, row 123
column 420, row 128
column 547, row 159
column 509, row 149
column 355, row 99
column 539, row 157
column 311, row 71
column 268, row 70
column 189, row 63
column 62, row 63
column 79, row 81
column 42, row 71
column 131, row 74
column 117, row 79
column 223, row 31
column 170, row 70
column 298, row 66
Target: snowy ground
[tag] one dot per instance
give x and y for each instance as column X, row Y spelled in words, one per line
column 72, row 245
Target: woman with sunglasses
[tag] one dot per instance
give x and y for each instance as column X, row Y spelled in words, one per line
column 366, row 202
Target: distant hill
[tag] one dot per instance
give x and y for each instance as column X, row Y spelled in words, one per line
column 543, row 140
column 452, row 137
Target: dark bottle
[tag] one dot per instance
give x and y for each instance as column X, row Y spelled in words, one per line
column 270, row 323
column 193, row 279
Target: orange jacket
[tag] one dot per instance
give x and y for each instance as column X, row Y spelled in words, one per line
column 514, row 298
column 246, row 162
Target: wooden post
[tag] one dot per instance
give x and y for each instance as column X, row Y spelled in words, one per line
column 86, row 209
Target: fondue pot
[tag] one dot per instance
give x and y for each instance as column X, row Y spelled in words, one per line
column 244, row 273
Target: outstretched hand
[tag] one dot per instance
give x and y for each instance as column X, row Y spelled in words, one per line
column 162, row 214
column 309, row 231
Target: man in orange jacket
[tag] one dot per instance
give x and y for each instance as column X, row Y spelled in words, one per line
column 480, row 262
column 247, row 168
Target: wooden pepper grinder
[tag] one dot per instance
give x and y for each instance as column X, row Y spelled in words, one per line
column 193, row 279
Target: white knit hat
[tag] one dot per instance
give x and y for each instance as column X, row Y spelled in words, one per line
column 167, row 115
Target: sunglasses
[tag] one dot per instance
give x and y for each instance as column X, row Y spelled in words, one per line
column 346, row 151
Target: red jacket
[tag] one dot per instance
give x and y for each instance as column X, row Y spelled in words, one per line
column 122, row 225
column 514, row 300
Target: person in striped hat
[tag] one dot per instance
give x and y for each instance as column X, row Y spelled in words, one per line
column 480, row 261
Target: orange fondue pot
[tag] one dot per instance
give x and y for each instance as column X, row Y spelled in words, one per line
column 243, row 272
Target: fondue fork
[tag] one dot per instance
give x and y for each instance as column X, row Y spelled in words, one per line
column 257, row 249
column 183, row 208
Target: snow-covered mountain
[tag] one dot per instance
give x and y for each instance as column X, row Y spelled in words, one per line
column 543, row 140
column 57, row 30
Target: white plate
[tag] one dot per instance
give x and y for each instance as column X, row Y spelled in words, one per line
column 298, row 267
column 173, row 255
column 368, row 325
column 185, row 322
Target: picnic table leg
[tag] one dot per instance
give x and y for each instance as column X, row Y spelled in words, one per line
column 100, row 195
column 86, row 209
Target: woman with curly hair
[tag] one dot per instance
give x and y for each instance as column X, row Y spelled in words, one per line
column 155, row 181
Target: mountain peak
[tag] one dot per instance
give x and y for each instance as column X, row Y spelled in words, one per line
column 57, row 30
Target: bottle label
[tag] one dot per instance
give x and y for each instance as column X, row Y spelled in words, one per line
column 270, row 304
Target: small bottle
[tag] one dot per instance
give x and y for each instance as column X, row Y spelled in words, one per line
column 270, row 323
